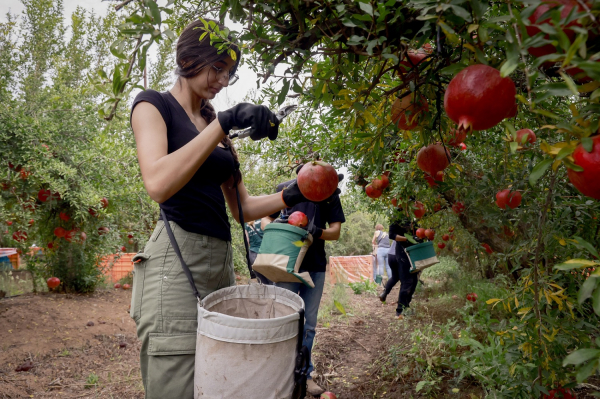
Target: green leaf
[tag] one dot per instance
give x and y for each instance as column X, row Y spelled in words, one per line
column 581, row 356
column 513, row 147
column 421, row 385
column 586, row 289
column 565, row 152
column 453, row 69
column 587, row 143
column 581, row 243
column 461, row 12
column 574, row 264
column 539, row 170
column 586, row 371
column 283, row 92
column 366, row 7
column 596, row 301
column 154, row 11
column 339, row 307
column 410, row 238
column 570, row 84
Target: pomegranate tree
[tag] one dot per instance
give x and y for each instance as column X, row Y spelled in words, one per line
column 408, row 111
column 587, row 181
column 433, row 159
column 478, row 98
column 317, row 180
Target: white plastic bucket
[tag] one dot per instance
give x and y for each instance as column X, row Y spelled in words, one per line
column 247, row 343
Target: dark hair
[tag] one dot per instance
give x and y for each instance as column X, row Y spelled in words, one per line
column 192, row 56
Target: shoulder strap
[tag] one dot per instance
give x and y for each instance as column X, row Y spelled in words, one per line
column 241, row 215
column 186, row 269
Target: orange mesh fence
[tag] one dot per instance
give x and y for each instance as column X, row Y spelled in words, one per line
column 117, row 266
column 350, row 269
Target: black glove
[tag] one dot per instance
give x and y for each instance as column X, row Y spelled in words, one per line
column 315, row 231
column 292, row 196
column 259, row 118
column 417, row 239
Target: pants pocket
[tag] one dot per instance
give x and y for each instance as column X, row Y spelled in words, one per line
column 171, row 363
column 139, row 273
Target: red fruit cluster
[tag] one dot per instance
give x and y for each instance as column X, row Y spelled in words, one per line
column 505, row 198
column 560, row 392
column 19, row 236
column 472, row 297
column 458, row 207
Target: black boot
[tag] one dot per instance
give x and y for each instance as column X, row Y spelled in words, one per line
column 382, row 296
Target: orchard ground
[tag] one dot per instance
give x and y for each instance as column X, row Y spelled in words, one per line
column 364, row 353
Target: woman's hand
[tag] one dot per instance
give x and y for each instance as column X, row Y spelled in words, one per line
column 259, row 118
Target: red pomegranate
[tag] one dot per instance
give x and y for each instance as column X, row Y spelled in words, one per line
column 507, row 231
column 60, row 232
column 458, row 207
column 579, row 74
column 560, row 392
column 117, row 285
column 506, row 198
column 420, row 232
column 19, row 236
column 430, row 234
column 394, row 202
column 534, row 29
column 104, row 202
column 487, row 248
column 478, row 98
column 513, row 112
column 377, row 184
column 415, row 57
column 587, row 181
column 298, row 219
column 103, row 230
column 462, row 146
column 457, row 136
column 528, row 133
column 372, row 192
column 385, row 181
column 317, row 180
column 433, row 158
column 64, row 216
column 408, row 111
column 53, row 282
column 419, row 209
column 43, row 195
column 441, row 245
column 445, row 237
column 70, row 235
column 437, row 207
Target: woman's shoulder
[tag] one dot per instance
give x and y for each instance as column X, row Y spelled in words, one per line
column 158, row 99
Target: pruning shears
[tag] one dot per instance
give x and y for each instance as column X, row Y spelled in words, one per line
column 281, row 114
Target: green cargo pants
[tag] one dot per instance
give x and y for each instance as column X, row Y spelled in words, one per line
column 164, row 307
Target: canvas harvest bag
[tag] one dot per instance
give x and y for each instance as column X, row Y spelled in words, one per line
column 281, row 253
column 249, row 341
column 421, row 256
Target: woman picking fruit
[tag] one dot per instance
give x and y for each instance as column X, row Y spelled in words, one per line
column 381, row 247
column 190, row 168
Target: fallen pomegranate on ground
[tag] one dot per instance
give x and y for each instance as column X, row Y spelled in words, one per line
column 328, row 395
column 117, row 285
column 298, row 219
column 317, row 180
column 126, row 286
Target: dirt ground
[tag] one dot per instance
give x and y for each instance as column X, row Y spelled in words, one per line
column 72, row 359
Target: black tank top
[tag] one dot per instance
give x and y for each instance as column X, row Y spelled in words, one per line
column 199, row 206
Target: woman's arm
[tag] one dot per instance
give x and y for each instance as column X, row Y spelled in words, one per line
column 332, row 233
column 165, row 174
column 253, row 207
column 374, row 237
column 397, row 233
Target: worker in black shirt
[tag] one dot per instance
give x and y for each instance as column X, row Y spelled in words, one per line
column 400, row 264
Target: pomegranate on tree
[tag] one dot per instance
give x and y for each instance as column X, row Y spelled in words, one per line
column 394, row 202
column 104, row 202
column 60, row 232
column 430, row 234
column 385, row 181
column 445, row 237
column 458, row 207
column 506, row 198
column 433, row 159
column 534, row 29
column 441, row 245
column 419, row 209
column 53, row 282
column 560, row 392
column 408, row 111
column 298, row 219
column 457, row 136
column 462, row 146
column 64, row 216
column 19, row 236
column 372, row 192
column 317, row 181
column 525, row 136
column 420, row 232
column 587, row 181
column 487, row 248
column 44, row 195
column 377, row 184
column 415, row 57
column 478, row 98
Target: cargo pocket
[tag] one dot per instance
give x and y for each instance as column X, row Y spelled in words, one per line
column 172, row 344
column 139, row 271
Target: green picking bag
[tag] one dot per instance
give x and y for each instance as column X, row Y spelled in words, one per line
column 281, row 253
column 421, row 256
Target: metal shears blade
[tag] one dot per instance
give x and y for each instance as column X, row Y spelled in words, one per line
column 281, row 114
